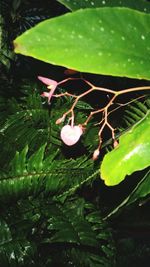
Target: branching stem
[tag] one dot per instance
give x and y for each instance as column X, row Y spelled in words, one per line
column 103, row 110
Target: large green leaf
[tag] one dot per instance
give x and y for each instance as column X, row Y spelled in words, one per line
column 141, row 191
column 132, row 154
column 76, row 4
column 111, row 41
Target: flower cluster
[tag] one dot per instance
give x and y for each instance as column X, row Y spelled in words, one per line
column 71, row 133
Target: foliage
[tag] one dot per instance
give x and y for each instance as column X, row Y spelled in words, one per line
column 98, row 33
column 53, row 209
column 139, row 194
column 74, row 5
column 35, row 175
column 132, row 154
column 39, row 225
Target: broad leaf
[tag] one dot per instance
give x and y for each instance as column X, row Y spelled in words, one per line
column 132, row 154
column 109, row 41
column 142, row 190
column 76, row 4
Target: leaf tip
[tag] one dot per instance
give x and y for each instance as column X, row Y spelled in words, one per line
column 16, row 46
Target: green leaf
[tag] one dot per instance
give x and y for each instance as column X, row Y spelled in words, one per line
column 83, row 105
column 36, row 160
column 76, row 4
column 76, row 224
column 21, row 124
column 109, row 41
column 40, row 172
column 14, row 251
column 137, row 110
column 131, row 155
column 142, row 190
column 69, row 224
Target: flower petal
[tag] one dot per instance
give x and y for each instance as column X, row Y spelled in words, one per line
column 51, row 84
column 48, row 95
column 48, row 82
column 71, row 135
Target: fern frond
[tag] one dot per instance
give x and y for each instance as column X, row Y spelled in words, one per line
column 22, row 124
column 31, row 175
column 136, row 111
column 14, row 251
column 32, row 123
column 90, row 240
column 81, row 257
column 133, row 113
column 5, row 54
column 29, row 18
column 70, row 233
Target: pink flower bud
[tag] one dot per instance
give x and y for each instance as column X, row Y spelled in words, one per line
column 96, row 154
column 60, row 120
column 70, row 135
column 115, row 144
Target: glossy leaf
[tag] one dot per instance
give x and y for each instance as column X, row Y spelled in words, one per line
column 109, row 41
column 142, row 190
column 76, row 4
column 132, row 154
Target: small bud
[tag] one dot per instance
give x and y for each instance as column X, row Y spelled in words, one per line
column 60, row 120
column 96, row 154
column 115, row 144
